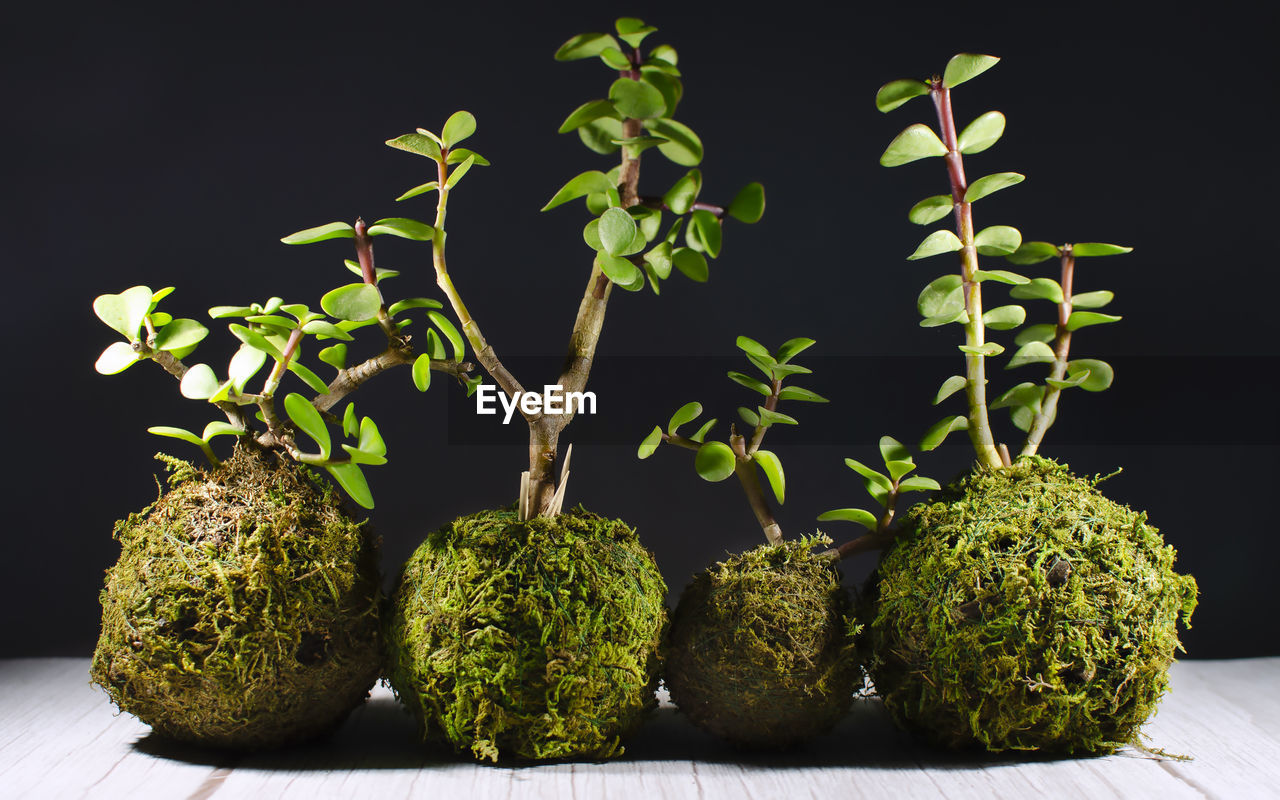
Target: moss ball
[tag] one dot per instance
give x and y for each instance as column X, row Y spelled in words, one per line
column 528, row 640
column 1024, row 610
column 760, row 652
column 243, row 611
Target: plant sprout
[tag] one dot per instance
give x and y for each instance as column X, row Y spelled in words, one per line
column 624, row 234
column 276, row 332
column 742, row 455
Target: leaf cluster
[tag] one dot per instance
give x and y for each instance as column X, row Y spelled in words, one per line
column 884, row 487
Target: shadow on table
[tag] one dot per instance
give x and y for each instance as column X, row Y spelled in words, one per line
column 380, row 735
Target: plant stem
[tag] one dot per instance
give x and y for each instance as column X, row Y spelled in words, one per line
column 1048, row 412
column 364, row 256
column 745, row 468
column 975, row 333
column 770, row 403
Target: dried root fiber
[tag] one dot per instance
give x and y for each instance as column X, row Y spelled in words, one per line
column 1024, row 610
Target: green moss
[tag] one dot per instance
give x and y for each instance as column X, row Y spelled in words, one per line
column 1025, row 610
column 760, row 649
column 243, row 611
column 531, row 640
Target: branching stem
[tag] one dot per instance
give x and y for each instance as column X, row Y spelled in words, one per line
column 1048, row 412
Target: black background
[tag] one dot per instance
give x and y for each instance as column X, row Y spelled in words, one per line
column 168, row 146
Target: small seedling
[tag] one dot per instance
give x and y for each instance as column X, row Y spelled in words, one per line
column 276, row 332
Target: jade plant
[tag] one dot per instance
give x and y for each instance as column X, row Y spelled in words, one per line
column 522, row 631
column 761, row 644
column 244, row 609
column 1017, row 608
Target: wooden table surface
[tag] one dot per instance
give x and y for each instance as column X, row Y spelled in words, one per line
column 61, row 738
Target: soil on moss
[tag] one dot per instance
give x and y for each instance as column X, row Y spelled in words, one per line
column 1022, row 609
column 761, row 648
column 243, row 611
column 528, row 640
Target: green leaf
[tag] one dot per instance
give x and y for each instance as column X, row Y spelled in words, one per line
column 352, row 481
column 748, row 204
column 802, row 395
column 648, row 220
column 435, row 347
column 308, row 420
column 985, row 349
column 669, row 86
column 1031, row 353
column 580, row 186
column 255, row 339
column 586, row 113
column 318, row 327
column 703, row 431
column 632, row 30
column 960, row 316
column 916, row 142
column 768, row 417
column 949, row 387
column 404, row 228
column 965, row 66
column 179, row 334
column 793, row 347
column 899, row 468
column 940, row 430
column 1003, row 318
column 599, row 135
column 1038, row 289
column 659, row 259
column 617, row 231
column 893, row 450
column 370, row 441
column 680, row 197
column 199, row 383
column 451, row 333
column 773, row 471
column 1073, row 381
column 219, row 428
column 1083, row 319
column 350, row 424
column 715, row 461
column 931, row 209
column 1100, row 373
column 429, row 186
column 686, row 413
column 895, row 93
column 1001, row 276
column 683, row 145
column 273, row 323
column 585, row 45
column 782, row 370
column 417, row 143
column 980, row 134
column 1022, row 418
column 650, row 444
column 751, row 347
column 637, row 99
column 246, row 363
column 991, row 184
column 864, row 518
column 378, row 272
column 1096, row 299
column 177, row 433
column 308, row 377
column 1098, row 249
column 1024, row 394
column 124, row 312
column 334, row 230
column 665, row 52
column 459, row 155
column 936, row 243
column 998, row 240
column 221, row 312
column 335, row 356
column 691, row 263
column 620, row 270
column 118, row 357
column 942, row 297
column 708, row 231
column 871, row 478
column 355, row 302
column 1033, row 253
column 461, row 170
column 918, row 484
column 750, row 383
column 748, row 416
column 615, row 58
column 1036, row 333
column 459, row 126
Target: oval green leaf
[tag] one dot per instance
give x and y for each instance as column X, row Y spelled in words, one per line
column 685, row 414
column 1003, row 318
column 990, row 184
column 650, row 444
column 199, row 383
column 334, row 230
column 308, row 420
column 118, row 357
column 355, row 302
column 1098, row 249
column 980, row 134
column 124, row 312
column 1083, row 319
column 931, row 209
column 715, row 461
column 964, row 66
column 864, row 518
column 916, row 142
column 637, row 99
column 1097, row 299
column 940, row 430
column 998, row 240
column 936, row 243
column 772, row 467
column 895, row 93
column 1100, row 373
column 748, row 204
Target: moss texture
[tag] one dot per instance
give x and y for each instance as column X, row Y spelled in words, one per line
column 243, row 611
column 528, row 640
column 1024, row 610
column 761, row 652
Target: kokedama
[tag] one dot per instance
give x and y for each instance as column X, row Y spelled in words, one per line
column 1019, row 608
column 527, row 632
column 761, row 644
column 244, row 609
